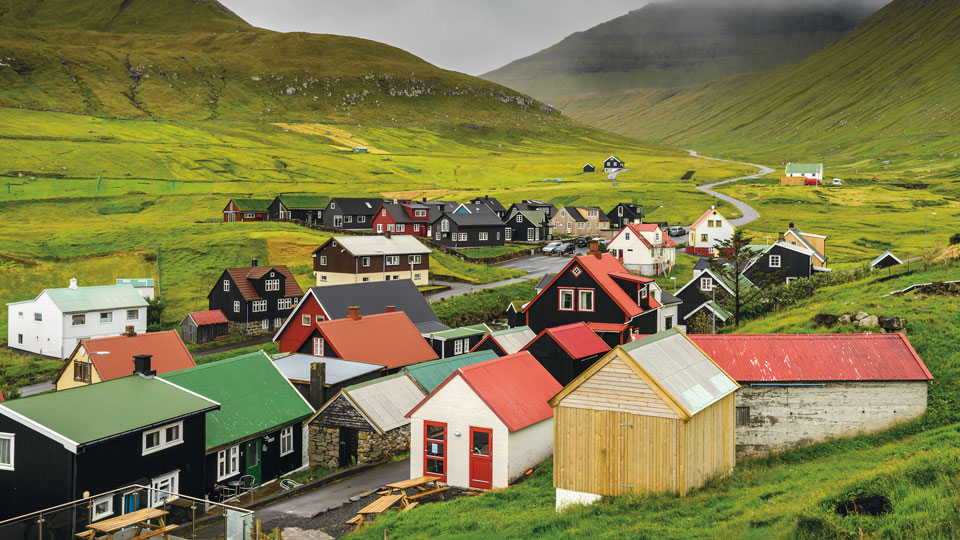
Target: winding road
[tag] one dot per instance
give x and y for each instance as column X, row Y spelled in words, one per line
column 747, row 212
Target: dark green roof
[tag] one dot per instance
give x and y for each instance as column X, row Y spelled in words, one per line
column 97, row 411
column 254, row 397
column 253, row 205
column 463, row 331
column 312, row 202
column 430, row 374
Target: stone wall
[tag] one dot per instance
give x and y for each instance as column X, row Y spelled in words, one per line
column 783, row 417
column 248, row 328
column 324, row 445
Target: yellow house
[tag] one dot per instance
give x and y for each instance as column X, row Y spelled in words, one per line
column 817, row 243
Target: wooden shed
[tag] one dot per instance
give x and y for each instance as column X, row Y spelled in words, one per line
column 654, row 415
column 203, row 326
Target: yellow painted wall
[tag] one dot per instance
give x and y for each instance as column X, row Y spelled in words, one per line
column 66, row 378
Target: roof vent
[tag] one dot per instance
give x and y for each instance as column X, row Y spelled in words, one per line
column 73, row 283
column 354, row 312
column 141, row 365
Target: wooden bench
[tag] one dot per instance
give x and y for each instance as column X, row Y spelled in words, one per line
column 86, row 535
column 155, row 532
column 410, row 506
column 354, row 520
column 439, row 490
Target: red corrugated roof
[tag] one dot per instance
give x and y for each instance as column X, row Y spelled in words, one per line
column 515, row 387
column 577, row 339
column 387, row 339
column 815, row 357
column 703, row 217
column 606, row 327
column 214, row 316
column 603, row 270
column 113, row 356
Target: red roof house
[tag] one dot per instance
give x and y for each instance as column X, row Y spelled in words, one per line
column 567, row 351
column 486, row 424
column 103, row 359
column 203, row 326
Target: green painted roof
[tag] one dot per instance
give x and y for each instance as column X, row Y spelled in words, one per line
column 305, row 201
column 96, row 411
column 254, row 396
column 510, row 331
column 136, row 282
column 431, row 374
column 800, row 168
column 461, row 332
column 253, row 205
column 96, row 298
column 718, row 309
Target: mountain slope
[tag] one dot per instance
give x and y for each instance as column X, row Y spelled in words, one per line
column 886, row 89
column 682, row 43
column 195, row 60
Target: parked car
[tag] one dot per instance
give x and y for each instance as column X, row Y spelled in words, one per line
column 676, row 230
column 837, row 182
column 551, row 247
column 566, row 249
column 582, row 241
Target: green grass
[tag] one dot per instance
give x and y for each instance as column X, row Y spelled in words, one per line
column 482, row 306
column 682, row 270
column 482, row 252
column 269, row 348
column 310, row 474
column 18, row 370
column 446, row 266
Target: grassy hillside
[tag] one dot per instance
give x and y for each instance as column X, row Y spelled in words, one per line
column 682, row 43
column 885, row 92
column 121, row 16
column 795, row 494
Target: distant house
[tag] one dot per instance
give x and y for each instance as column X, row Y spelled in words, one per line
column 203, row 326
column 708, row 290
column 589, row 168
column 334, row 302
column 469, row 226
column 816, row 243
column 257, row 430
column 514, row 314
column 800, row 389
column 456, row 341
column 144, row 286
column 885, row 260
column 567, row 351
column 707, row 232
column 57, row 319
column 319, row 378
column 581, row 221
column 411, row 219
column 526, row 226
column 306, row 208
column 357, row 259
column 491, row 203
column 96, row 360
column 485, row 425
column 805, row 170
column 530, row 204
column 612, row 164
column 669, row 426
column 429, row 375
column 780, row 262
column 364, row 423
column 133, row 430
column 255, row 299
column 350, row 213
column 504, row 342
column 624, row 213
column 247, row 210
column 644, row 248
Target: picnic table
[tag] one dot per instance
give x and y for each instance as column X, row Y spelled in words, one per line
column 139, row 519
column 378, row 506
column 425, row 485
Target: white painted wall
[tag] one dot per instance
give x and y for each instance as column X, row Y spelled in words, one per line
column 93, row 328
column 44, row 337
column 714, row 234
column 529, row 446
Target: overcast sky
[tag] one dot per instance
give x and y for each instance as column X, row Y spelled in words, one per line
column 472, row 36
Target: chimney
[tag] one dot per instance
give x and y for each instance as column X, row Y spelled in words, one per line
column 780, row 237
column 595, row 248
column 791, row 225
column 141, row 365
column 391, row 309
column 424, row 199
column 318, row 376
column 386, row 235
column 73, row 283
column 253, row 262
column 354, row 312
column 129, row 331
column 636, row 221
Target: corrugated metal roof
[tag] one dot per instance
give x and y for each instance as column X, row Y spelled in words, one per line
column 388, row 339
column 577, row 339
column 113, row 356
column 101, row 297
column 691, row 378
column 463, row 331
column 214, row 316
column 296, row 367
column 386, row 401
column 815, row 357
column 397, row 244
column 804, row 168
column 430, row 374
column 136, row 282
column 254, row 397
column 513, row 339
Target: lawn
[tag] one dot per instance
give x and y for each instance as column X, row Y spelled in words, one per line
column 445, row 266
column 482, row 306
column 482, row 252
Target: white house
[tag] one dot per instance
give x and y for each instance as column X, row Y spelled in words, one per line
column 53, row 322
column 805, row 170
column 486, row 424
column 144, row 286
column 644, row 247
column 707, row 231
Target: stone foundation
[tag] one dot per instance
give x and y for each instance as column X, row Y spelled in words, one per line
column 251, row 328
column 324, row 446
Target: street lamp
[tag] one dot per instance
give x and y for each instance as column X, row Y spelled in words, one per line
column 925, row 245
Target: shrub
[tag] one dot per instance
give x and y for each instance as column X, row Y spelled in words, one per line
column 955, row 239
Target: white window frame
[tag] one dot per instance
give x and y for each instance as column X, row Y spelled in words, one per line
column 347, row 219
column 173, row 484
column 109, row 317
column 9, row 465
column 642, row 294
column 259, row 306
column 390, row 227
column 320, row 319
column 445, row 226
column 580, row 296
column 774, row 261
column 462, row 237
column 96, row 515
column 271, row 285
column 37, row 317
column 318, row 346
column 323, row 260
column 226, row 285
column 228, row 462
column 286, row 439
column 790, row 280
column 458, row 346
column 393, row 260
column 248, row 215
column 420, row 213
column 416, row 227
column 379, row 227
column 573, row 299
column 236, row 306
column 413, row 259
column 399, row 227
column 135, row 312
column 365, row 262
column 163, row 442
column 305, row 320
column 508, row 234
column 265, row 324
column 483, row 237
column 81, row 317
column 706, row 284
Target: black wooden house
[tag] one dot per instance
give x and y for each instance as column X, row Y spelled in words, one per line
column 526, row 226
column 469, row 226
column 567, row 351
column 624, row 213
column 255, row 299
column 493, row 204
column 348, row 213
column 779, row 263
column 708, row 290
column 306, row 208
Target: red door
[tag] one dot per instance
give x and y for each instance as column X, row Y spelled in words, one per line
column 435, row 450
column 481, row 458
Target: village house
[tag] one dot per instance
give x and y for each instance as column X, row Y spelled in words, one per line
column 885, row 260
column 777, row 263
column 650, row 416
column 469, row 226
column 581, row 221
column 707, row 232
column 144, row 286
column 801, row 389
column 255, row 435
column 203, row 326
column 614, row 334
column 612, row 164
column 514, row 313
column 456, row 341
column 707, row 291
column 350, row 213
column 57, row 319
column 319, row 378
column 306, row 208
column 411, row 219
column 246, row 210
column 816, row 243
column 429, row 375
column 255, row 299
column 547, row 208
column 358, row 259
column 140, row 429
column 96, row 360
column 644, row 248
column 588, row 168
column 624, row 213
column 526, row 226
column 493, row 204
column 485, row 425
column 805, row 170
column 567, row 351
column 504, row 342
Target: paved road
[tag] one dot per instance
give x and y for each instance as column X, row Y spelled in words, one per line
column 36, row 388
column 535, row 267
column 746, row 211
column 334, row 495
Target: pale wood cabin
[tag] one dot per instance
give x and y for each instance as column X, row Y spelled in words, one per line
column 654, row 415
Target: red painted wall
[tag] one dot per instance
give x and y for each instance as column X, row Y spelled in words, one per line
column 294, row 334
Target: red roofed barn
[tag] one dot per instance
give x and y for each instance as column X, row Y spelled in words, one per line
column 567, row 351
column 203, row 326
column 486, row 424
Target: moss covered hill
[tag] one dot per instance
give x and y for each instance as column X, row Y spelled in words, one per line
column 682, row 43
column 195, row 60
column 887, row 91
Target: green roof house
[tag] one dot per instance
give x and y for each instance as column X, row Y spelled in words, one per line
column 805, row 170
column 300, row 207
column 456, row 341
column 247, row 210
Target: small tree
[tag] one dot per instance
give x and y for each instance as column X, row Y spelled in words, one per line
column 154, row 314
column 955, row 239
column 701, row 323
column 737, row 254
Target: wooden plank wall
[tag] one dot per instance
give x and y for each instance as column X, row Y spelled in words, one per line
column 615, row 387
column 711, row 447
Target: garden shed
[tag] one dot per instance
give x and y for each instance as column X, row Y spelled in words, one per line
column 203, row 326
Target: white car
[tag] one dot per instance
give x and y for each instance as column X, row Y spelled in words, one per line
column 837, row 182
column 551, row 247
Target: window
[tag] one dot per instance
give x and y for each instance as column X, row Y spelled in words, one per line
column 20, row 339
column 620, row 212
column 399, row 227
column 259, row 306
column 704, row 238
column 586, row 299
column 445, row 226
column 416, row 228
column 643, row 293
column 305, row 320
column 348, row 219
column 133, row 314
column 668, row 322
column 333, row 205
column 81, row 371
column 166, row 484
column 79, row 320
column 286, row 440
column 413, row 259
column 162, row 437
column 576, row 271
column 20, row 314
column 390, row 227
column 626, row 236
column 498, row 235
column 338, row 221
column 743, row 416
column 419, row 213
column 226, row 285
column 265, row 324
column 483, row 236
column 6, row 451
column 318, row 346
column 236, row 306
column 320, row 319
column 566, row 300
column 284, row 303
column 706, row 284
column 277, row 322
column 774, row 261
column 393, row 260
column 361, row 219
column 106, row 317
column 248, row 215
column 271, row 285
column 102, row 508
column 508, row 234
column 458, row 346
column 365, row 279
column 580, row 225
column 462, row 237
column 790, row 280
column 379, row 227
column 38, row 316
column 228, row 462
column 383, row 212
column 418, row 275
column 323, row 260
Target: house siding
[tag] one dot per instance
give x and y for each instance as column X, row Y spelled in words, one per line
column 555, row 360
column 246, row 320
column 792, row 265
column 272, row 464
column 543, row 313
column 342, row 267
column 495, row 235
column 43, row 472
